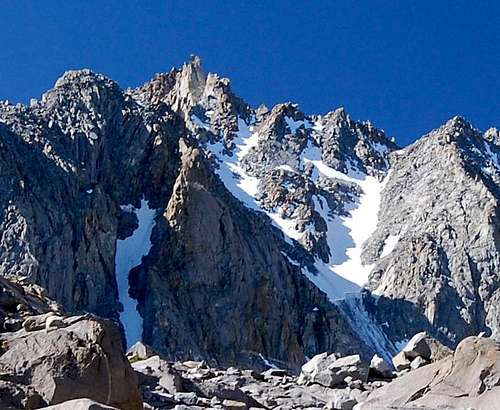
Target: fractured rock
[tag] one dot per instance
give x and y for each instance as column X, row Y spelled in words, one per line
column 470, row 378
column 417, row 346
column 84, row 359
column 401, row 362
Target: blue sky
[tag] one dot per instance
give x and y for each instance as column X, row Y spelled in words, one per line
column 407, row 66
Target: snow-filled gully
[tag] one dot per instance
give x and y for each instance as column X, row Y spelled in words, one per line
column 344, row 275
column 129, row 253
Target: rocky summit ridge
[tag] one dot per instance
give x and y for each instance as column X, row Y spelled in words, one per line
column 213, row 230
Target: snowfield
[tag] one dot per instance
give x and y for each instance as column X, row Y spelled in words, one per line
column 129, row 253
column 344, row 273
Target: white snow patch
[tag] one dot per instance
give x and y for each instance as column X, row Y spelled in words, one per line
column 267, row 362
column 318, row 126
column 286, row 225
column 492, row 158
column 344, row 272
column 129, row 253
column 389, row 245
column 286, row 168
column 327, row 280
column 295, row 125
column 199, row 122
column 360, row 224
column 244, row 186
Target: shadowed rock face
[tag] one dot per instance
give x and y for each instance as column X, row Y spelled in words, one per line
column 66, row 164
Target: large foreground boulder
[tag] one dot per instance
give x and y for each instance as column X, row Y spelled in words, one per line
column 80, row 404
column 80, row 357
column 470, row 378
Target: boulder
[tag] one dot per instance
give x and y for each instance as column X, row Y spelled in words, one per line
column 80, row 404
column 274, row 373
column 36, row 322
column 341, row 400
column 234, row 405
column 330, row 371
column 189, row 398
column 171, row 381
column 192, row 364
column 418, row 362
column 423, row 347
column 401, row 362
column 310, row 368
column 12, row 324
column 351, row 366
column 418, row 346
column 153, row 366
column 312, row 371
column 54, row 321
column 140, row 351
column 470, row 378
column 438, row 350
column 222, row 389
column 154, row 373
column 83, row 359
column 380, row 368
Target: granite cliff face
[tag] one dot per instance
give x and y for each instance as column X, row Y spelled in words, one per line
column 440, row 211
column 67, row 163
column 214, row 230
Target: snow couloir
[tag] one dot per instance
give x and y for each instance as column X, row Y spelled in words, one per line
column 344, row 273
column 129, row 253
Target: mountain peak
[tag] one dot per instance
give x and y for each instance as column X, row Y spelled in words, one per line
column 83, row 76
column 458, row 123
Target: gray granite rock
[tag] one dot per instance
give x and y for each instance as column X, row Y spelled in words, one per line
column 83, row 358
column 467, row 379
column 441, row 203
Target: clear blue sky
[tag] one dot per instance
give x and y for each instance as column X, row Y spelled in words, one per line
column 405, row 65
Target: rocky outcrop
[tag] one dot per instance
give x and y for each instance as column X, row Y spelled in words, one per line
column 216, row 260
column 47, row 357
column 333, row 371
column 67, row 163
column 20, row 301
column 470, row 378
column 421, row 350
column 89, row 152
